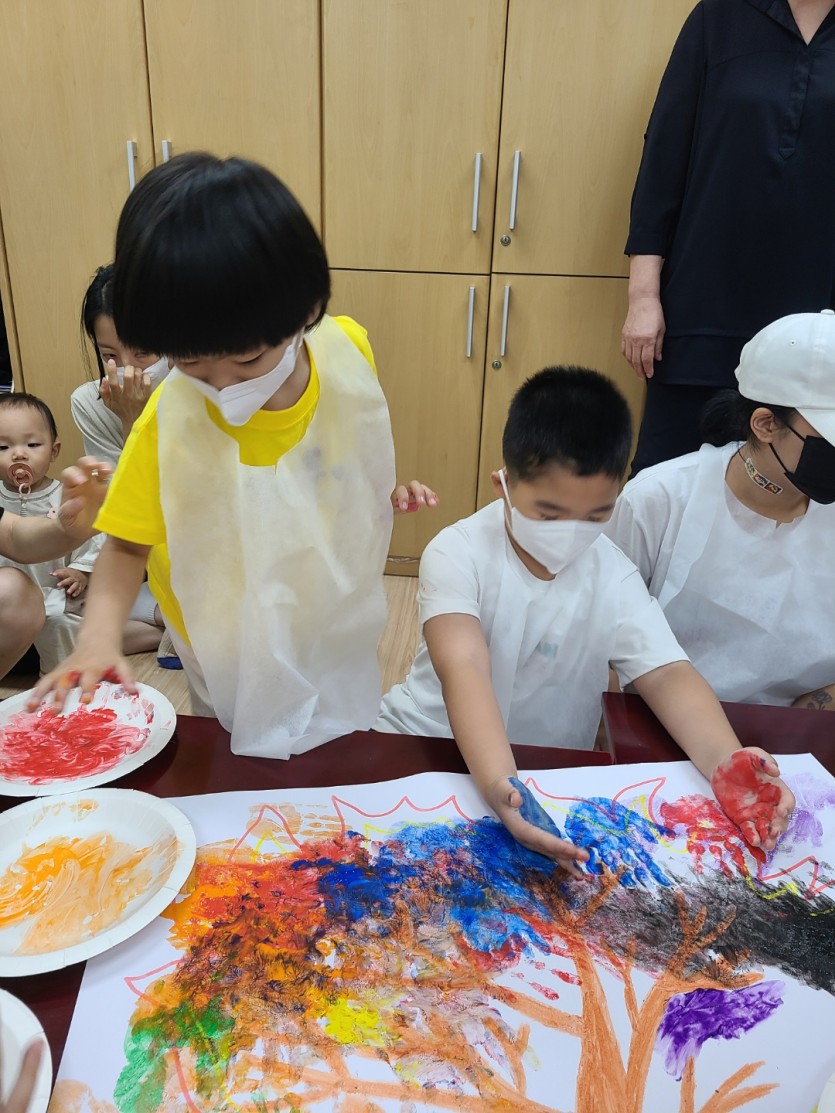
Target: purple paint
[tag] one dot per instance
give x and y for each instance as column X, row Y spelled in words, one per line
column 805, row 828
column 693, row 1018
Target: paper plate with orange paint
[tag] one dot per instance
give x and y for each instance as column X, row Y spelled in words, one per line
column 18, row 1028
column 82, row 872
column 43, row 753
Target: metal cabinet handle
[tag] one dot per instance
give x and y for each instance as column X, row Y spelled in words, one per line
column 476, row 189
column 131, row 149
column 470, row 321
column 514, row 189
column 166, row 149
column 505, row 312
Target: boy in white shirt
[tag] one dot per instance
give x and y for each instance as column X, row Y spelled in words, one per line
column 525, row 605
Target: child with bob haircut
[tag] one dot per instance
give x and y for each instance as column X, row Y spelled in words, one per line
column 256, row 483
column 525, row 605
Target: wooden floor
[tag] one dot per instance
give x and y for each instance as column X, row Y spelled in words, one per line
column 397, row 648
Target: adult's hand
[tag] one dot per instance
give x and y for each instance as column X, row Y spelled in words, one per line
column 642, row 339
column 84, row 488
column 126, row 399
column 20, row 1093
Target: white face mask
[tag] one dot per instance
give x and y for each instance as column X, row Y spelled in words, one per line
column 554, row 544
column 156, row 372
column 237, row 403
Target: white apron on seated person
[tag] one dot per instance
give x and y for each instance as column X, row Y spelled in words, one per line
column 550, row 641
column 278, row 570
column 752, row 602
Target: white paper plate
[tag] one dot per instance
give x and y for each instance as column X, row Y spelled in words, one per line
column 148, row 712
column 99, row 866
column 827, row 1101
column 18, row 1028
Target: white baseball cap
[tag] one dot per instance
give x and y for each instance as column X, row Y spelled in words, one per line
column 791, row 362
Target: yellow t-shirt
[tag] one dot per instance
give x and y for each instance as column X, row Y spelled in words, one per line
column 132, row 510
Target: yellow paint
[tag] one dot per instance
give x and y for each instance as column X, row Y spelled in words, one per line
column 69, row 889
column 350, row 1023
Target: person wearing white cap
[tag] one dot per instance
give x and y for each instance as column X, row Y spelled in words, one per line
column 737, row 540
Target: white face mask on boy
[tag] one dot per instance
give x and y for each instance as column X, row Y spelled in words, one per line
column 555, row 544
column 237, row 403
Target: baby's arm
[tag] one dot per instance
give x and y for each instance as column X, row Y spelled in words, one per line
column 746, row 782
column 97, row 654
column 461, row 659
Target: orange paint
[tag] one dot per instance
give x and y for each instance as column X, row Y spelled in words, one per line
column 69, row 889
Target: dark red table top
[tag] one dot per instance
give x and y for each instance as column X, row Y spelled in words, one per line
column 634, row 734
column 198, row 761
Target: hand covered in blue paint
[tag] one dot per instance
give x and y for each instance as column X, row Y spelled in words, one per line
column 747, row 785
column 407, row 498
column 20, row 1094
column 512, row 803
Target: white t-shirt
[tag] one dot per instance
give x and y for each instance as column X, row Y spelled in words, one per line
column 101, row 430
column 550, row 641
column 752, row 602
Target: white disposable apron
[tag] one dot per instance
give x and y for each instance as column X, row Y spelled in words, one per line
column 278, row 570
column 752, row 602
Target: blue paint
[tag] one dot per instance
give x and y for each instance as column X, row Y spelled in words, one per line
column 618, row 839
column 532, row 811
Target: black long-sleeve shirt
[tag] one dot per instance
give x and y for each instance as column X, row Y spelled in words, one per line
column 736, row 187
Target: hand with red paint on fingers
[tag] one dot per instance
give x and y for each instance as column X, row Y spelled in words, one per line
column 407, row 498
column 748, row 787
column 21, row 1092
column 83, row 669
column 506, row 802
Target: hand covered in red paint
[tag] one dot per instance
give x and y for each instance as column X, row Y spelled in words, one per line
column 747, row 785
column 20, row 1094
column 72, row 580
column 407, row 498
column 506, row 801
column 84, row 668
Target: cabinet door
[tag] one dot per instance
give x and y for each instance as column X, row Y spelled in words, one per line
column 240, row 77
column 411, row 97
column 580, row 82
column 549, row 321
column 427, row 332
column 73, row 92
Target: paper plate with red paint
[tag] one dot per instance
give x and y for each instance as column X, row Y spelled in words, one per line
column 42, row 753
column 18, row 1028
column 82, row 872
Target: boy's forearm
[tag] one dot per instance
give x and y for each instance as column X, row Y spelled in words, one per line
column 686, row 705
column 118, row 574
column 477, row 724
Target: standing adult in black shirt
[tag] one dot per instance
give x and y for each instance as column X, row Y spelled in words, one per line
column 733, row 214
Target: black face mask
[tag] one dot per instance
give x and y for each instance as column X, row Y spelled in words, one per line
column 814, row 474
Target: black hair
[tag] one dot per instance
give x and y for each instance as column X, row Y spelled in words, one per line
column 214, row 257
column 727, row 417
column 19, row 400
column 569, row 416
column 98, row 302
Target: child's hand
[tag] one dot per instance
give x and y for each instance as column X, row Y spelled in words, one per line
column 72, row 580
column 747, row 785
column 83, row 489
column 407, row 498
column 126, row 399
column 506, row 801
column 84, row 668
column 20, row 1094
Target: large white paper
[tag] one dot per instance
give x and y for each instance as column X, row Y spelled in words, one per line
column 384, row 947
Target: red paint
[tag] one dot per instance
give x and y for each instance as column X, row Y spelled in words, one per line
column 546, row 991
column 709, row 832
column 748, row 794
column 40, row 746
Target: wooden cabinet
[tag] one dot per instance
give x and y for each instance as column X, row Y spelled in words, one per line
column 73, row 92
column 412, row 93
column 428, row 334
column 579, row 84
column 240, row 78
column 550, row 320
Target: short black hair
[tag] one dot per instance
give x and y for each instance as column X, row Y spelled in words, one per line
column 19, row 400
column 569, row 416
column 727, row 417
column 98, row 302
column 214, row 257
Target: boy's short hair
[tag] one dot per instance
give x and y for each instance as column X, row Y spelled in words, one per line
column 569, row 416
column 214, row 257
column 20, row 400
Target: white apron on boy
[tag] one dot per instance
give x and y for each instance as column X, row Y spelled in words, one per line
column 279, row 570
